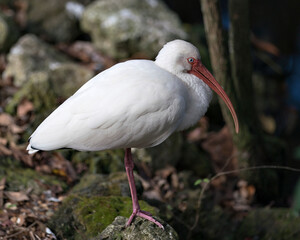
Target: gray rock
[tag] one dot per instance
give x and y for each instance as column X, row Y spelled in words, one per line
column 42, row 73
column 9, row 32
column 123, row 28
column 140, row 229
column 56, row 20
column 31, row 56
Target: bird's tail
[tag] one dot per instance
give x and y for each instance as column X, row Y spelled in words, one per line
column 30, row 149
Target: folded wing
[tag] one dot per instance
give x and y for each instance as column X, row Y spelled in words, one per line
column 133, row 104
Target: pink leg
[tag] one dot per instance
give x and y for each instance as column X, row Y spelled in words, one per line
column 135, row 203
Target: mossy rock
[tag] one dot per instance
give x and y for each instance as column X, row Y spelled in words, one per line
column 30, row 55
column 19, row 178
column 44, row 76
column 51, row 20
column 32, row 58
column 123, row 28
column 82, row 217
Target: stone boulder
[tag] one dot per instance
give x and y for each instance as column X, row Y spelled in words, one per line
column 123, row 28
column 55, row 20
column 141, row 229
column 42, row 73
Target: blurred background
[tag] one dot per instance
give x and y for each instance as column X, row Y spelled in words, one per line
column 206, row 182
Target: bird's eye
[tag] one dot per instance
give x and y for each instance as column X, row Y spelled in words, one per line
column 191, row 60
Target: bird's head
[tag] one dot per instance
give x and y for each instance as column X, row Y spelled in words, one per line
column 179, row 57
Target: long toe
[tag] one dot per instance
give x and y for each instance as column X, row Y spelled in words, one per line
column 145, row 215
column 145, row 212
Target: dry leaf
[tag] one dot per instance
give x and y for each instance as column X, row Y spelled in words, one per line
column 165, row 172
column 153, row 195
column 6, row 119
column 15, row 129
column 3, row 141
column 24, row 107
column 16, row 196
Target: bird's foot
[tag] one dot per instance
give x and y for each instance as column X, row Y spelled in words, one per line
column 145, row 215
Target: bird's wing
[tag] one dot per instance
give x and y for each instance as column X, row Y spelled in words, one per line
column 134, row 104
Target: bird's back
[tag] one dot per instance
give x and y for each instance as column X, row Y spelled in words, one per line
column 132, row 104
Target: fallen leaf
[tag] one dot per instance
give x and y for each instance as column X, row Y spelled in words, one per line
column 24, row 107
column 6, row 119
column 3, row 141
column 15, row 129
column 165, row 172
column 153, row 195
column 16, row 196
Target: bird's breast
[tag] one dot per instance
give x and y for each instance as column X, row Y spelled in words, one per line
column 197, row 102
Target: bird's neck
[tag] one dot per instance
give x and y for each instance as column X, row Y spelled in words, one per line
column 199, row 97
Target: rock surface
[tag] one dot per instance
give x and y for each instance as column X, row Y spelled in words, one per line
column 42, row 73
column 123, row 28
column 141, row 229
column 55, row 20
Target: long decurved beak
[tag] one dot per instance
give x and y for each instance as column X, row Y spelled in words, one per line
column 200, row 71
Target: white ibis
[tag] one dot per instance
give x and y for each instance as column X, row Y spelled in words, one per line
column 134, row 104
